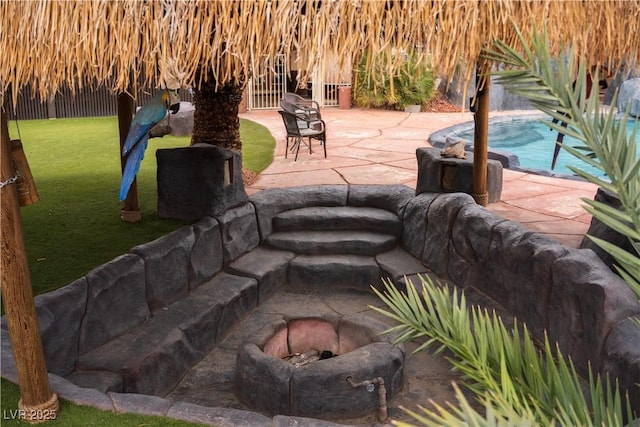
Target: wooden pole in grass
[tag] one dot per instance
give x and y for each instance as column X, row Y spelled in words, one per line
column 37, row 402
column 130, row 210
column 481, row 136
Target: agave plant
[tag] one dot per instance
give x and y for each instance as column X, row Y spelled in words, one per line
column 558, row 87
column 517, row 383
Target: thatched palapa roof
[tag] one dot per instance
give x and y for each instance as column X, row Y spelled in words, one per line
column 48, row 44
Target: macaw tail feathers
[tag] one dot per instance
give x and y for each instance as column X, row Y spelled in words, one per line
column 132, row 166
column 137, row 131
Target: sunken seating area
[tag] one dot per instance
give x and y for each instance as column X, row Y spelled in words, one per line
column 134, row 326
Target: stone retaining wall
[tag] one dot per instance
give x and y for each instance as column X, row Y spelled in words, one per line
column 569, row 293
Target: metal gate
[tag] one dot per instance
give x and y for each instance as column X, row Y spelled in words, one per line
column 268, row 84
column 330, row 77
column 331, row 94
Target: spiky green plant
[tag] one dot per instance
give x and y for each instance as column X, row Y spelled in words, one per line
column 558, row 87
column 517, row 383
column 413, row 83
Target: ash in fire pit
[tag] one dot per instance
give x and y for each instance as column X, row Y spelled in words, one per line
column 310, row 366
column 301, row 359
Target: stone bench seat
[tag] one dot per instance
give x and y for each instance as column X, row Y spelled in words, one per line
column 396, row 264
column 177, row 337
column 174, row 339
column 268, row 266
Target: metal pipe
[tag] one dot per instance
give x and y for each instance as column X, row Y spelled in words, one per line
column 382, row 394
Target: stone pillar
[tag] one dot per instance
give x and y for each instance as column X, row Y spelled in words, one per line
column 437, row 174
column 198, row 181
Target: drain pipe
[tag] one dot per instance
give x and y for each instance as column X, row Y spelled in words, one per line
column 382, row 393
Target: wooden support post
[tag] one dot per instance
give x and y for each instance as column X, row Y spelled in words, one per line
column 27, row 191
column 130, row 210
column 37, row 402
column 481, row 136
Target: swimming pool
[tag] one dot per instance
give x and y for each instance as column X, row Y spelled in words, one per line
column 526, row 138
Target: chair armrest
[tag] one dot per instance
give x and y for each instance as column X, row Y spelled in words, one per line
column 307, row 114
column 310, row 108
column 314, row 105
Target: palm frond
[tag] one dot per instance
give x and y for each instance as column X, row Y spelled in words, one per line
column 505, row 370
column 628, row 263
column 558, row 87
column 616, row 219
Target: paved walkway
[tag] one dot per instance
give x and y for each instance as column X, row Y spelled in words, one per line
column 379, row 147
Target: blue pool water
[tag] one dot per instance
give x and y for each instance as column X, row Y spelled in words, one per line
column 533, row 143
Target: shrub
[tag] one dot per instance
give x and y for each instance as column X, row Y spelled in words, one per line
column 413, row 84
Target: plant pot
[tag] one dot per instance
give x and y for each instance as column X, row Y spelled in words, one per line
column 344, row 97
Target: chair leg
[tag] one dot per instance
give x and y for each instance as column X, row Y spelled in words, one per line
column 286, row 150
column 324, row 145
column 298, row 142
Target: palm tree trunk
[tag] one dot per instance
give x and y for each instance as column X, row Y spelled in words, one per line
column 215, row 119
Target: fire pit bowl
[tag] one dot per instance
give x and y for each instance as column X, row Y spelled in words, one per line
column 320, row 367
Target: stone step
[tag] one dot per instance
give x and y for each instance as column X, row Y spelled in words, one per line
column 338, row 218
column 332, row 242
column 333, row 271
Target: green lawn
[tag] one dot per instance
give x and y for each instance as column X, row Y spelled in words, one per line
column 72, row 415
column 76, row 224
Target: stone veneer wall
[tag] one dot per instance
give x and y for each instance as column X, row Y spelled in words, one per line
column 569, row 293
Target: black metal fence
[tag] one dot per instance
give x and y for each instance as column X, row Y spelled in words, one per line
column 87, row 102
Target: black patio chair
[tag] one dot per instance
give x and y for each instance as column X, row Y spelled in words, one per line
column 306, row 109
column 296, row 134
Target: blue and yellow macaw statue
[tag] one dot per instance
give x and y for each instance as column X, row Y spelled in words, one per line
column 138, row 137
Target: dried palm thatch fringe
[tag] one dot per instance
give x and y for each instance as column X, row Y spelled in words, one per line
column 50, row 44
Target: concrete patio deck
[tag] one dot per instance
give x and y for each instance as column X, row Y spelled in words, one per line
column 379, row 147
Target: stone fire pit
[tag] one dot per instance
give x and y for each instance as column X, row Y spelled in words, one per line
column 268, row 380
